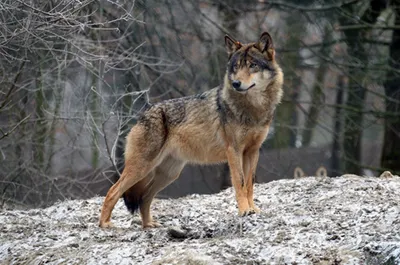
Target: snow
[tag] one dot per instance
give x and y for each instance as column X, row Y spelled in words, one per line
column 313, row 220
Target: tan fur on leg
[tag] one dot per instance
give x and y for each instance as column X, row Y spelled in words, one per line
column 235, row 161
column 250, row 159
column 165, row 173
column 136, row 168
column 128, row 178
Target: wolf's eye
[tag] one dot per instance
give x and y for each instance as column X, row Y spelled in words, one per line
column 254, row 67
column 235, row 67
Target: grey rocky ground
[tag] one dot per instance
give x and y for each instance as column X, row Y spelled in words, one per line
column 344, row 220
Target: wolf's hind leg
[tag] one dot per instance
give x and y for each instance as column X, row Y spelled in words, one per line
column 250, row 160
column 131, row 175
column 165, row 173
column 141, row 156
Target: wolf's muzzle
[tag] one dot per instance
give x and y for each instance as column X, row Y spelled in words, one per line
column 239, row 88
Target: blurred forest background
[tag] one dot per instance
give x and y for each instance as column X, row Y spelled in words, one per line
column 75, row 73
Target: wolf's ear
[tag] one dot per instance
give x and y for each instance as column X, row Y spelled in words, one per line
column 265, row 45
column 231, row 44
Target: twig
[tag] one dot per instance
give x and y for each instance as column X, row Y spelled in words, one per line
column 310, row 9
column 15, row 127
column 352, row 27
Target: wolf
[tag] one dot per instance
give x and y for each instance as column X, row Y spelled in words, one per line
column 320, row 172
column 225, row 124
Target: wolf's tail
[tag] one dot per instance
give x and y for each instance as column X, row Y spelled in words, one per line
column 152, row 127
column 133, row 197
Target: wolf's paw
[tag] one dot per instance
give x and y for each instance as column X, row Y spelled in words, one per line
column 106, row 225
column 151, row 224
column 255, row 209
column 246, row 212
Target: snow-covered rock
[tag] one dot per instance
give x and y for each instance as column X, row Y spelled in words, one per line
column 344, row 220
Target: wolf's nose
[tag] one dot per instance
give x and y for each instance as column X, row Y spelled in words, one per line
column 236, row 83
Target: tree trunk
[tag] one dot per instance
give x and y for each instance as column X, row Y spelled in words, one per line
column 95, row 113
column 353, row 122
column 391, row 146
column 230, row 22
column 316, row 105
column 317, row 96
column 39, row 137
column 336, row 165
column 56, row 111
column 286, row 114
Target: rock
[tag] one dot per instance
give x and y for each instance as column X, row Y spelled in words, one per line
column 177, row 232
column 343, row 220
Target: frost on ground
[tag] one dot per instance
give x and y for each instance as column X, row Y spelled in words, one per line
column 345, row 220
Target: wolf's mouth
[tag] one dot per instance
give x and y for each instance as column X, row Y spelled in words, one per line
column 245, row 89
column 251, row 86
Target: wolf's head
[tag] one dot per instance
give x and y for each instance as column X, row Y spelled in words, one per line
column 252, row 66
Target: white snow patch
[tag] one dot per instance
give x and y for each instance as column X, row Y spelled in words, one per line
column 344, row 220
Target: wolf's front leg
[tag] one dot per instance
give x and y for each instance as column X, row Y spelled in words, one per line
column 250, row 160
column 235, row 161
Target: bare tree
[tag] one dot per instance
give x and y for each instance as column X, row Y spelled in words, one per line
column 357, row 72
column 75, row 75
column 64, row 62
column 391, row 147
